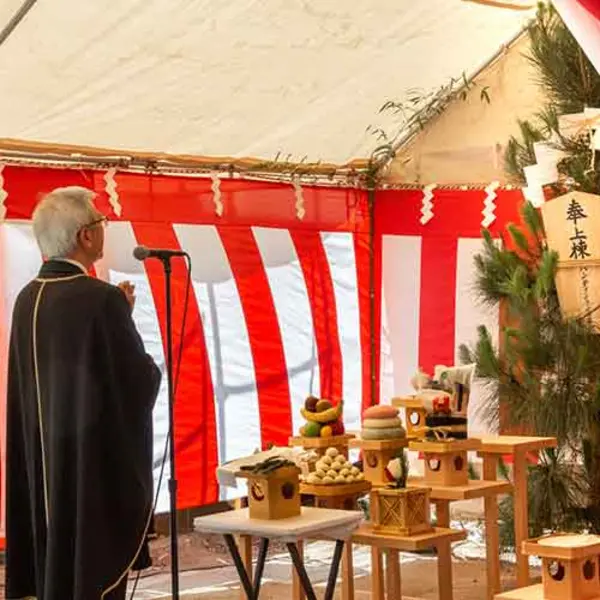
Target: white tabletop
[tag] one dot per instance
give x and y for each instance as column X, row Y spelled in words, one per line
column 312, row 522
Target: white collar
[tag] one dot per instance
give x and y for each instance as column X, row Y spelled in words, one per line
column 73, row 262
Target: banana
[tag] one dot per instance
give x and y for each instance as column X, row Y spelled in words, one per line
column 325, row 416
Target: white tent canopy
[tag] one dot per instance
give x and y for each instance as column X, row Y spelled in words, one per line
column 303, row 78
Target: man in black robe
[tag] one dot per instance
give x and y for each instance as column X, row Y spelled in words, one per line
column 79, row 419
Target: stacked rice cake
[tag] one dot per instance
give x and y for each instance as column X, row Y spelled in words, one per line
column 382, row 423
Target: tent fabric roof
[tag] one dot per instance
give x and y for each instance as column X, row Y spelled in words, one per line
column 254, row 78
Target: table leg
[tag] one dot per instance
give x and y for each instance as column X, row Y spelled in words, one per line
column 260, row 565
column 492, row 538
column 445, row 585
column 297, row 591
column 347, row 572
column 239, row 565
column 377, row 591
column 442, row 511
column 392, row 572
column 521, row 516
column 245, row 546
column 303, row 575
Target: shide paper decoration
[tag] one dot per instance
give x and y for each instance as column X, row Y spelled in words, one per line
column 427, row 206
column 111, row 190
column 300, row 210
column 216, row 189
column 489, row 203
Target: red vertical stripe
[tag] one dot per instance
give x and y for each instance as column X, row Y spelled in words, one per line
column 263, row 332
column 195, row 424
column 319, row 285
column 438, row 302
column 370, row 321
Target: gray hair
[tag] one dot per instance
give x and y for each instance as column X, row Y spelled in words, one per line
column 59, row 217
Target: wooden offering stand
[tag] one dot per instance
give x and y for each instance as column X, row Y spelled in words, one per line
column 273, row 495
column 336, row 495
column 445, row 460
column 415, row 415
column 455, row 486
column 570, row 565
column 320, row 444
column 376, row 456
column 492, row 449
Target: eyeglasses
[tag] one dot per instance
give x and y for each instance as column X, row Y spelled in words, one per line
column 102, row 220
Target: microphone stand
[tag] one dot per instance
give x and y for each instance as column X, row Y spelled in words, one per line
column 166, row 261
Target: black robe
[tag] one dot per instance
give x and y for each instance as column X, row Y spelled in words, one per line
column 81, row 390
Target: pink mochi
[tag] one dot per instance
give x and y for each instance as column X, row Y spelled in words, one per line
column 382, row 411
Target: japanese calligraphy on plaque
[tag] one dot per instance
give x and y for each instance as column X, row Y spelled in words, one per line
column 572, row 224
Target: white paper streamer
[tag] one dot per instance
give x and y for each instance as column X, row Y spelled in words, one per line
column 111, row 190
column 300, row 210
column 3, row 194
column 216, row 188
column 427, row 206
column 489, row 204
column 535, row 195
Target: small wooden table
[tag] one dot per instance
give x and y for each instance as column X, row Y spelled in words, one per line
column 532, row 592
column 320, row 444
column 439, row 538
column 441, row 496
column 336, row 496
column 336, row 525
column 492, row 448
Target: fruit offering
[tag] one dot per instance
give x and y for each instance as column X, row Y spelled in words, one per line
column 322, row 418
column 382, row 423
column 333, row 468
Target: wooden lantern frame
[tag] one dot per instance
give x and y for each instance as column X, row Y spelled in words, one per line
column 446, row 462
column 273, row 495
column 570, row 571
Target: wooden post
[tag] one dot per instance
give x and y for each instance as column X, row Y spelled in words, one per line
column 521, row 516
column 245, row 547
column 442, row 511
column 377, row 587
column 492, row 539
column 347, row 572
column 393, row 581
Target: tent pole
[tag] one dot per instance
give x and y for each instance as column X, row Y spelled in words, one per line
column 372, row 294
column 16, row 19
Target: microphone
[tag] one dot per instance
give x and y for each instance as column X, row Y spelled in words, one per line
column 142, row 253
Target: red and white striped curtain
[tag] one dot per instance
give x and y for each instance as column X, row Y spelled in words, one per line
column 280, row 303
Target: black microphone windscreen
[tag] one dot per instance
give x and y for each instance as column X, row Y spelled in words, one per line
column 141, row 252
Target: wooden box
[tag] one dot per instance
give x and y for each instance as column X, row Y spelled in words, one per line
column 570, row 566
column 275, row 495
column 403, row 511
column 376, row 456
column 446, row 462
column 415, row 416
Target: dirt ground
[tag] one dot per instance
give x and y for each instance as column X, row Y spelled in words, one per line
column 202, row 552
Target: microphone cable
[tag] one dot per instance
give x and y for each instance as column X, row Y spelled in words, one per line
column 175, row 384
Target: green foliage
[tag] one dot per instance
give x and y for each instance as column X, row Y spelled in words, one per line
column 570, row 83
column 417, row 109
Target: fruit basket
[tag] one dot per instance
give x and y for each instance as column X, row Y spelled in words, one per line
column 323, row 419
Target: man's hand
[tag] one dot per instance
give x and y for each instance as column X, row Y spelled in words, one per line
column 129, row 290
